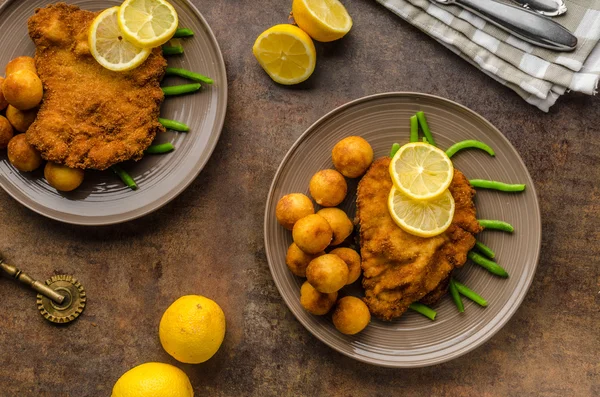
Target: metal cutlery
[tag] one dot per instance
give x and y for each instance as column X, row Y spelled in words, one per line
column 549, row 8
column 520, row 22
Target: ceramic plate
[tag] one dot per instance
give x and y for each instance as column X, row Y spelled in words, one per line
column 413, row 340
column 103, row 199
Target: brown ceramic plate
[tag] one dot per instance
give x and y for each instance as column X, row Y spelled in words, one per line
column 413, row 340
column 103, row 199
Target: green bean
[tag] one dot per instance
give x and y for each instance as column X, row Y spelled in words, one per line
column 174, row 125
column 183, row 32
column 395, row 148
column 160, row 148
column 425, row 140
column 505, row 187
column 496, row 225
column 424, row 310
column 125, row 177
column 470, row 143
column 188, row 75
column 487, row 264
column 414, row 129
column 469, row 293
column 181, row 89
column 425, row 128
column 456, row 296
column 484, row 249
column 169, row 50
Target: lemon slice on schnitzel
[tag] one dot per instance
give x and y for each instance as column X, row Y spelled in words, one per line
column 148, row 23
column 421, row 171
column 423, row 218
column 110, row 48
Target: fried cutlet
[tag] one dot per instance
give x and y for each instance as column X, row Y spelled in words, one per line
column 399, row 268
column 90, row 117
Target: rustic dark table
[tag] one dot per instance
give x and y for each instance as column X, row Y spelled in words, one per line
column 209, row 240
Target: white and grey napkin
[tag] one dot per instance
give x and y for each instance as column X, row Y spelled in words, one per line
column 538, row 75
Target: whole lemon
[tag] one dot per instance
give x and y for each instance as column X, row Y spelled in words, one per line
column 153, row 379
column 192, row 329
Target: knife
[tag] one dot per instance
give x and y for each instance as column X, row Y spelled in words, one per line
column 550, row 8
column 524, row 24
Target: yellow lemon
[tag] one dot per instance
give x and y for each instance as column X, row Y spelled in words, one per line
column 151, row 380
column 323, row 20
column 148, row 23
column 286, row 53
column 423, row 218
column 192, row 329
column 421, row 171
column 110, row 48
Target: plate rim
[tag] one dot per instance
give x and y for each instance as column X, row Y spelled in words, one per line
column 511, row 309
column 80, row 220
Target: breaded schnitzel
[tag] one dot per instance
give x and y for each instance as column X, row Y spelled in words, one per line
column 90, row 117
column 399, row 268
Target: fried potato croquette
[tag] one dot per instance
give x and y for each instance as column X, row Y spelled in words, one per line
column 21, row 120
column 297, row 260
column 23, row 89
column 6, row 132
column 327, row 273
column 312, row 234
column 22, row 155
column 352, row 260
column 328, row 188
column 316, row 302
column 352, row 156
column 63, row 178
column 21, row 63
column 351, row 315
column 340, row 224
column 3, row 101
column 292, row 207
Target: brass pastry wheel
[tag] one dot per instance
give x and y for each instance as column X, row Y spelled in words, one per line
column 60, row 300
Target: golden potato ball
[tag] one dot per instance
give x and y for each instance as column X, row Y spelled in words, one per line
column 21, row 63
column 340, row 224
column 352, row 156
column 351, row 315
column 22, row 155
column 297, row 260
column 292, row 207
column 23, row 89
column 327, row 273
column 63, row 178
column 6, row 132
column 21, row 120
column 3, row 101
column 312, row 234
column 352, row 260
column 316, row 302
column 328, row 188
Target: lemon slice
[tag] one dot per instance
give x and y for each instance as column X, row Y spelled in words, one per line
column 323, row 20
column 148, row 23
column 423, row 218
column 110, row 48
column 421, row 171
column 286, row 53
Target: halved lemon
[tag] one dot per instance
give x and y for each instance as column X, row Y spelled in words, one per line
column 286, row 53
column 423, row 218
column 148, row 23
column 421, row 171
column 323, row 20
column 110, row 48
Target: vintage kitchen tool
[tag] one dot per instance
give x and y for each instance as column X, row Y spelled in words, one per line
column 60, row 300
column 524, row 24
column 550, row 8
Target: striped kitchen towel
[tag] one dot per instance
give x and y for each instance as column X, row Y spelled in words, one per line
column 538, row 75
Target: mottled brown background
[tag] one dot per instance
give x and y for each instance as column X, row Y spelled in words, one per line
column 209, row 240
